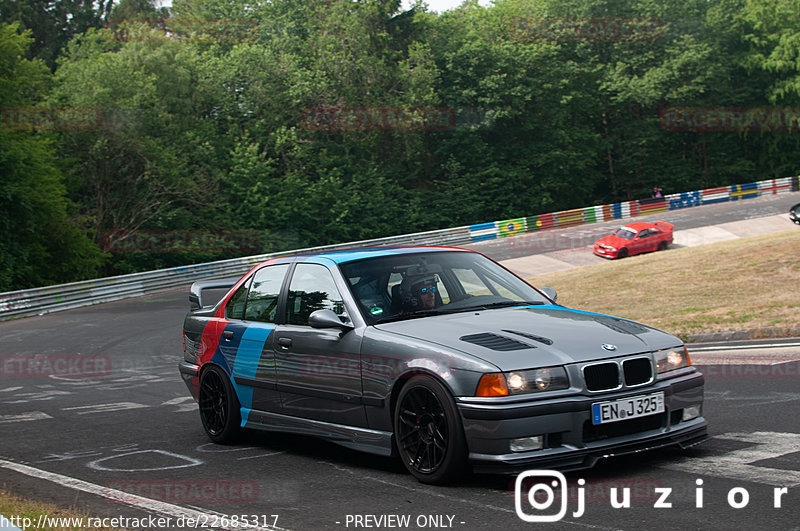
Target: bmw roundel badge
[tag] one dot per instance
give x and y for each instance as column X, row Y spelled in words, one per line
column 610, row 348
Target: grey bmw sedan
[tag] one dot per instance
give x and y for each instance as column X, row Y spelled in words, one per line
column 439, row 356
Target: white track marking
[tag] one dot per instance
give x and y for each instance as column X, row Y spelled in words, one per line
column 104, row 408
column 179, row 400
column 742, row 347
column 739, row 463
column 184, row 403
column 261, row 455
column 189, row 461
column 24, row 417
column 213, row 448
column 742, row 358
column 453, row 499
column 48, row 394
column 132, row 500
column 773, row 397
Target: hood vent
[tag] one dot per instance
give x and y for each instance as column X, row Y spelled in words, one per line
column 495, row 342
column 622, row 326
column 540, row 339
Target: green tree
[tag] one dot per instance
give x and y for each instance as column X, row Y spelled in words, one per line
column 149, row 164
column 772, row 31
column 53, row 23
column 40, row 242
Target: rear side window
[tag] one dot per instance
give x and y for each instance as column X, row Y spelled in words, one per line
column 262, row 302
column 235, row 307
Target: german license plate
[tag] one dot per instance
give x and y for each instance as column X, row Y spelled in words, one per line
column 627, row 408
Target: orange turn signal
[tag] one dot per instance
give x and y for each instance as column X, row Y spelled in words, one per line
column 493, row 384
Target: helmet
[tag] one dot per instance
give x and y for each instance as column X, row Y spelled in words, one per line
column 411, row 289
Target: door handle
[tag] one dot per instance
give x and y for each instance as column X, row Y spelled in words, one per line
column 284, row 342
column 228, row 335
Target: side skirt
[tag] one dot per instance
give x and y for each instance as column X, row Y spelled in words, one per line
column 361, row 439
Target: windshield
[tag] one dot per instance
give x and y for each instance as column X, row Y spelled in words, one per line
column 406, row 286
column 625, row 233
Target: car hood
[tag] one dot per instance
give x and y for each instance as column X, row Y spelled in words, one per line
column 613, row 241
column 534, row 336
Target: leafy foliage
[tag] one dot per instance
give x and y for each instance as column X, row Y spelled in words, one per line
column 40, row 242
column 317, row 122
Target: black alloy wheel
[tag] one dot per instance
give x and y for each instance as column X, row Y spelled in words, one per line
column 219, row 407
column 428, row 432
column 623, row 253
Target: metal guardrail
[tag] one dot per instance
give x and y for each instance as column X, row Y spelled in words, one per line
column 40, row 301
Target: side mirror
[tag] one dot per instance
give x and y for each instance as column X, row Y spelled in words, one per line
column 550, row 292
column 327, row 319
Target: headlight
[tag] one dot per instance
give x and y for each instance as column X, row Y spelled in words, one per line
column 671, row 359
column 612, row 249
column 520, row 382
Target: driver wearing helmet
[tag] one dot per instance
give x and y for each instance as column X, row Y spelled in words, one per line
column 419, row 293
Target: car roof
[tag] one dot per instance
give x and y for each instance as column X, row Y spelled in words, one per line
column 341, row 256
column 639, row 225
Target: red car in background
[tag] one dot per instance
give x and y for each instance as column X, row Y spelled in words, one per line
column 635, row 238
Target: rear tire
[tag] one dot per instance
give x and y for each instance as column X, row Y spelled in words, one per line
column 663, row 246
column 428, row 432
column 219, row 406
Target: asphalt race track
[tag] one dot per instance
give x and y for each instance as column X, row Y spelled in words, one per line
column 126, row 424
column 688, row 218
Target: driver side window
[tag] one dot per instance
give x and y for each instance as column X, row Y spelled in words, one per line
column 312, row 288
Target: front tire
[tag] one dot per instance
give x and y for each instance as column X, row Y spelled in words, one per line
column 219, row 406
column 623, row 253
column 428, row 432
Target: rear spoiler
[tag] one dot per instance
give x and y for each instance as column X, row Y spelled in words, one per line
column 196, row 291
column 664, row 224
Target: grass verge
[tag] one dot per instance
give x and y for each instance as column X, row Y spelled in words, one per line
column 745, row 284
column 14, row 506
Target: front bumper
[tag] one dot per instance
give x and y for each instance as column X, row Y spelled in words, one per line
column 571, row 441
column 605, row 253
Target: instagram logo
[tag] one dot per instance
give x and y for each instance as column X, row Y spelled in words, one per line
column 541, row 496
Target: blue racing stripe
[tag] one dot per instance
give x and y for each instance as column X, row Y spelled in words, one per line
column 245, row 365
column 570, row 310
